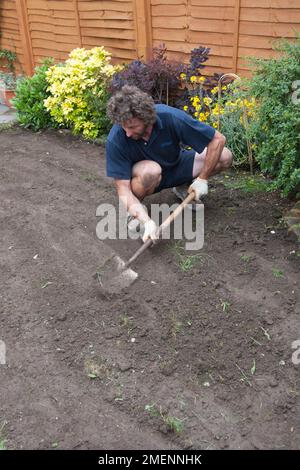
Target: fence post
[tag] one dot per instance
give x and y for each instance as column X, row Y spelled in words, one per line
column 236, row 34
column 77, row 18
column 25, row 37
column 143, row 28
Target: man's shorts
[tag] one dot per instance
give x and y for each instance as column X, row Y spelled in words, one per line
column 180, row 174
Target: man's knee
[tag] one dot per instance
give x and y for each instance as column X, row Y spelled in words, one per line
column 148, row 174
column 226, row 158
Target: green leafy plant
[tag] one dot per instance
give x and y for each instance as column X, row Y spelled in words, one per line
column 7, row 59
column 277, row 273
column 9, row 81
column 225, row 305
column 78, row 91
column 246, row 258
column 223, row 105
column 249, row 184
column 29, row 100
column 276, row 128
column 2, row 437
column 173, row 424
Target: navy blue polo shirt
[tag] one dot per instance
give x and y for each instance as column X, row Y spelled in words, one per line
column 172, row 128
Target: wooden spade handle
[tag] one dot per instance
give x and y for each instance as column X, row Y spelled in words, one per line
column 161, row 228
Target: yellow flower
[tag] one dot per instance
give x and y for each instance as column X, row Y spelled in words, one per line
column 215, row 125
column 185, row 108
column 207, row 101
column 183, row 76
column 214, row 90
column 201, row 79
column 193, row 79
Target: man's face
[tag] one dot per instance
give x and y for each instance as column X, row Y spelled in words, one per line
column 134, row 128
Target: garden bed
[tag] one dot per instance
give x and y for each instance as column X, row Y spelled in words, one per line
column 210, row 365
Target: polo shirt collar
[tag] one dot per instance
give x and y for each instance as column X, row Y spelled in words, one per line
column 158, row 125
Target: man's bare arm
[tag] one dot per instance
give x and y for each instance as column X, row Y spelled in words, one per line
column 130, row 201
column 214, row 150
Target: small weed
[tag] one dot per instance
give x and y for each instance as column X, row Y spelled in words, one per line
column 2, row 438
column 277, row 273
column 173, row 424
column 225, row 306
column 244, row 377
column 249, row 184
column 152, row 410
column 119, row 392
column 96, row 368
column 176, row 325
column 89, row 177
column 186, row 262
column 265, row 333
column 253, row 368
column 125, row 322
column 45, row 284
column 246, row 258
column 2, row 444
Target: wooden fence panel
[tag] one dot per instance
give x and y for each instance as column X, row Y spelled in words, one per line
column 129, row 29
column 261, row 23
column 9, row 31
column 109, row 24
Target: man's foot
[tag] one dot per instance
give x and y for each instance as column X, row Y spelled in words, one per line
column 182, row 192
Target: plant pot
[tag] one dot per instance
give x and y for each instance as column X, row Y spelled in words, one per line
column 6, row 96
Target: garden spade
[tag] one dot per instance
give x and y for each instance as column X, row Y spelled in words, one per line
column 116, row 274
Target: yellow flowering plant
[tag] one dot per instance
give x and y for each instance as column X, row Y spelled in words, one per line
column 78, row 91
column 226, row 107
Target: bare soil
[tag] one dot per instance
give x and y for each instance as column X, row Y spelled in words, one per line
column 194, row 359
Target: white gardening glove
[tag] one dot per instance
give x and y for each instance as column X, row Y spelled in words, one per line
column 200, row 187
column 150, row 229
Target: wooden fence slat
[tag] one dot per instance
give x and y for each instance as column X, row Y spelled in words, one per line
column 168, row 10
column 269, row 29
column 271, row 15
column 109, row 33
column 213, row 13
column 170, row 22
column 215, row 3
column 211, row 25
column 104, row 5
column 270, row 4
column 106, row 15
column 114, row 24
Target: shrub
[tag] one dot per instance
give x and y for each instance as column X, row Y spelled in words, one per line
column 78, row 91
column 158, row 77
column 230, row 113
column 276, row 129
column 29, row 100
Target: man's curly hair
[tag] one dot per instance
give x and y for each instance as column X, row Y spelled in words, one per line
column 130, row 102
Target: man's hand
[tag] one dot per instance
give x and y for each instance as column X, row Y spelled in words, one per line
column 200, row 188
column 150, row 231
